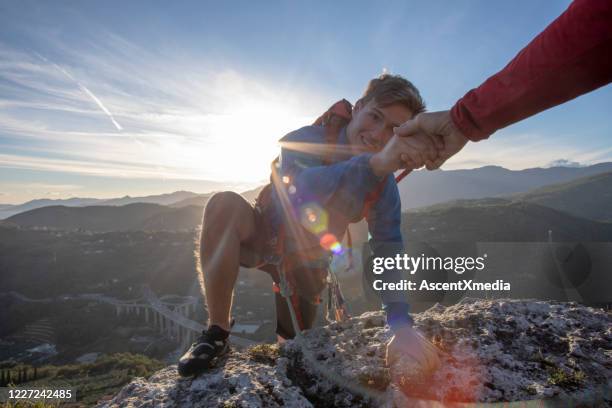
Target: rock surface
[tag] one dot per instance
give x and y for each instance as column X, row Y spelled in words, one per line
column 491, row 351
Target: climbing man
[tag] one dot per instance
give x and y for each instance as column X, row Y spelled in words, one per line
column 328, row 175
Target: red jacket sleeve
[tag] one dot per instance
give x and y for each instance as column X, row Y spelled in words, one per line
column 572, row 56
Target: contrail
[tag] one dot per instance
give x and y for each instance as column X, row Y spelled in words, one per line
column 87, row 91
column 99, row 102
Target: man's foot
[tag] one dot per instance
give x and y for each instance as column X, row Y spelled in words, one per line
column 205, row 352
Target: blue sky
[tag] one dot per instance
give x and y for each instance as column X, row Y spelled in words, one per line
column 101, row 99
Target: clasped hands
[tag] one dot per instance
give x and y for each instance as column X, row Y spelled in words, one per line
column 429, row 139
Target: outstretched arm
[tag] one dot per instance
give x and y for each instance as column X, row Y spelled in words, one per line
column 572, row 56
column 384, row 221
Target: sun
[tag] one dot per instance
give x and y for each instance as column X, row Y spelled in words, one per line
column 242, row 143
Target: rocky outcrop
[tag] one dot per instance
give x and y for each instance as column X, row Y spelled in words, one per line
column 491, row 351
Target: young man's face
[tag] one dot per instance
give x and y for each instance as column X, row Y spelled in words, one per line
column 372, row 125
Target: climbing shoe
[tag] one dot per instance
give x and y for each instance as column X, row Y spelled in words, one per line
column 205, row 352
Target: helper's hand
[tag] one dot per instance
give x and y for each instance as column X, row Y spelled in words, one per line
column 411, row 353
column 441, row 130
column 403, row 152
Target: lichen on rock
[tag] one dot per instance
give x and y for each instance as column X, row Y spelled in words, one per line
column 491, row 351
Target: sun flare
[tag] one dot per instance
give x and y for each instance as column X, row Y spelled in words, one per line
column 241, row 144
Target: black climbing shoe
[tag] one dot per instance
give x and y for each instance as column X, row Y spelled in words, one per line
column 205, row 352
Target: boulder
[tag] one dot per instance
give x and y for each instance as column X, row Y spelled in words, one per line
column 492, row 351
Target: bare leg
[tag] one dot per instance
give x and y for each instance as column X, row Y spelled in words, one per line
column 228, row 221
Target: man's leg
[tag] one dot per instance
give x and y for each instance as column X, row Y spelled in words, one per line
column 228, row 221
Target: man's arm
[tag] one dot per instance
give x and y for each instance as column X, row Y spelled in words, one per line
column 348, row 182
column 572, row 56
column 408, row 346
column 384, row 222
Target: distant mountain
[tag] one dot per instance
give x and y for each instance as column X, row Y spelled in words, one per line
column 162, row 199
column 419, row 189
column 44, row 202
column 423, row 188
column 199, row 200
column 588, row 197
column 493, row 219
column 498, row 220
column 176, row 199
column 580, row 191
column 131, row 217
column 181, row 215
column 202, row 199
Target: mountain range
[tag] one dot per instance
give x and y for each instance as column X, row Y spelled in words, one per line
column 7, row 210
column 577, row 210
column 423, row 188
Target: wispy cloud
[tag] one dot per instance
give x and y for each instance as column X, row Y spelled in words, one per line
column 84, row 89
column 108, row 107
column 174, row 122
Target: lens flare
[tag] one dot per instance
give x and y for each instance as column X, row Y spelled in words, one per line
column 330, row 242
column 336, row 248
column 313, row 218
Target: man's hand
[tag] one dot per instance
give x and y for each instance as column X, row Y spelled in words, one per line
column 412, row 352
column 441, row 130
column 404, row 152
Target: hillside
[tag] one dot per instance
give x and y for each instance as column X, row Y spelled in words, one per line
column 91, row 381
column 7, row 211
column 161, row 199
column 198, row 201
column 499, row 220
column 518, row 219
column 129, row 217
column 588, row 197
column 423, row 188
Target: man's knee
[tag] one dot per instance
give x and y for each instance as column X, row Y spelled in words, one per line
column 225, row 209
column 221, row 204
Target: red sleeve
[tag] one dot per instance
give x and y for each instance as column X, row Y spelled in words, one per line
column 572, row 56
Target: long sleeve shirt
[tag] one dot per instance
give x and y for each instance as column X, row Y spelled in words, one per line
column 339, row 189
column 572, row 56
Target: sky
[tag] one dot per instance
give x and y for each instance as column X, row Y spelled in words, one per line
column 113, row 98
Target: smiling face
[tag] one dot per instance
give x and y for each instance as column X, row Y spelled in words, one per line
column 372, row 126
